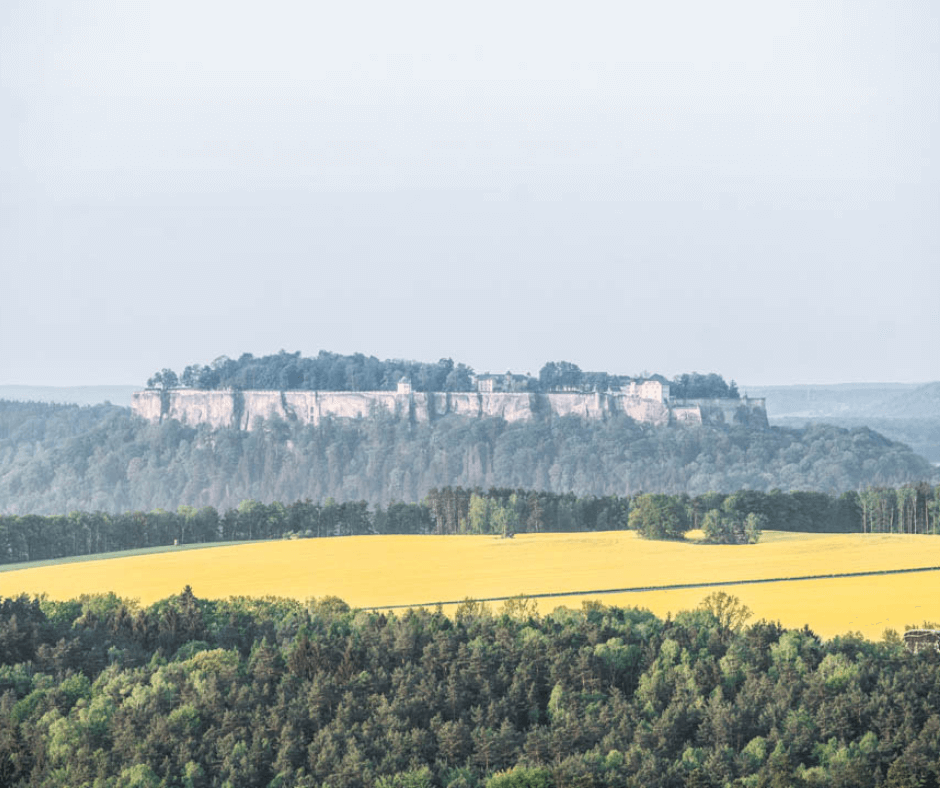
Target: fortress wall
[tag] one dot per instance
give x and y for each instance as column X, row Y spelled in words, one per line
column 311, row 407
column 511, row 407
column 589, row 406
column 461, row 403
column 355, row 404
column 647, row 411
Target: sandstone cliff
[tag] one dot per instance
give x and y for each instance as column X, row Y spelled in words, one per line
column 243, row 409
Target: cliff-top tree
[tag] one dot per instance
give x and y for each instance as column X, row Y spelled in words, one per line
column 560, row 374
column 166, row 379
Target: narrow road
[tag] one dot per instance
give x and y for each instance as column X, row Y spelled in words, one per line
column 673, row 587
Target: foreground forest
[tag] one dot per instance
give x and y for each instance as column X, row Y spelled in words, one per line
column 242, row 692
column 59, row 458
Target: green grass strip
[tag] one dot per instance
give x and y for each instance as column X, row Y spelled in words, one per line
column 77, row 559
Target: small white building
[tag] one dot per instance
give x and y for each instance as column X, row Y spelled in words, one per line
column 652, row 389
column 486, row 384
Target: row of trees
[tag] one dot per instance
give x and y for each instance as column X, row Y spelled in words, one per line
column 326, row 371
column 696, row 386
column 737, row 518
column 357, row 372
column 56, row 459
column 202, row 693
column 910, row 509
column 740, row 517
column 564, row 374
column 456, row 510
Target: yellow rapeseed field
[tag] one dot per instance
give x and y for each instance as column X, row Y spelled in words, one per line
column 372, row 571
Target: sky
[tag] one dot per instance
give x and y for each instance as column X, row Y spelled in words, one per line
column 746, row 188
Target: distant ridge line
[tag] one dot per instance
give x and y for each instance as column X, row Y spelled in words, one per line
column 673, row 587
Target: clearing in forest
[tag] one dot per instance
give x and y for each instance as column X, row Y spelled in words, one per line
column 374, row 571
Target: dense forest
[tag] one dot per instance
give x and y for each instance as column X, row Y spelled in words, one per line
column 242, row 692
column 57, row 458
column 336, row 372
column 725, row 519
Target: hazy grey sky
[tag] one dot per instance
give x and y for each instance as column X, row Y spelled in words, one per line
column 749, row 188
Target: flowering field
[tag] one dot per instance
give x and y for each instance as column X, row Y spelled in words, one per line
column 370, row 571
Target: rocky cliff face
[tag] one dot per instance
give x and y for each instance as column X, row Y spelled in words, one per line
column 243, row 409
column 215, row 408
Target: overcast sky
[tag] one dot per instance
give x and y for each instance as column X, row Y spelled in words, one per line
column 747, row 188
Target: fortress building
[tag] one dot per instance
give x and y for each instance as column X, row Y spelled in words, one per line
column 497, row 396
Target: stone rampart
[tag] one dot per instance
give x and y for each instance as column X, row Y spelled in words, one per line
column 647, row 411
column 476, row 405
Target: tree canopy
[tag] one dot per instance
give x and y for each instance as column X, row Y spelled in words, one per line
column 357, row 372
column 99, row 691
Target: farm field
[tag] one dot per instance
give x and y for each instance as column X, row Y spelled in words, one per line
column 373, row 571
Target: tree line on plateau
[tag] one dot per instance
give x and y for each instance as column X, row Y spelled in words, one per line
column 737, row 518
column 335, row 372
column 100, row 692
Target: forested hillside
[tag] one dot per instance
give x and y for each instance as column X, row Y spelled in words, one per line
column 245, row 692
column 909, row 413
column 55, row 459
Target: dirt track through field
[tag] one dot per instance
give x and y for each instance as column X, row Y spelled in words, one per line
column 672, row 587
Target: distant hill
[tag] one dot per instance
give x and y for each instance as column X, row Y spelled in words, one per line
column 907, row 412
column 821, row 401
column 922, row 402
column 74, row 395
column 57, row 458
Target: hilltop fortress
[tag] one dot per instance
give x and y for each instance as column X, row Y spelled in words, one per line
column 645, row 401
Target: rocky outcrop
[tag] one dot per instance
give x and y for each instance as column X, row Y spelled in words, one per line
column 244, row 409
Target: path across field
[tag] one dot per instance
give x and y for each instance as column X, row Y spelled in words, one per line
column 671, row 587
